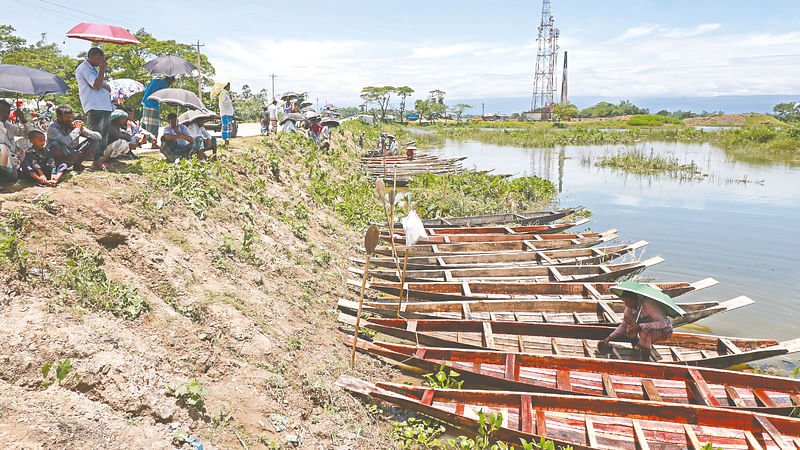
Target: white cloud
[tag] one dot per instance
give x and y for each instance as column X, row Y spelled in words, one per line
column 649, row 61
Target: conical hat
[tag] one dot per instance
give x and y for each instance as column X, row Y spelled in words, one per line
column 651, row 293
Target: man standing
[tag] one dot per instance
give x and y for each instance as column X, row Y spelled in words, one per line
column 226, row 113
column 272, row 110
column 63, row 139
column 95, row 100
column 150, row 112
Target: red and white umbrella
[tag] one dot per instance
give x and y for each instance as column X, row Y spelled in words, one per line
column 99, row 32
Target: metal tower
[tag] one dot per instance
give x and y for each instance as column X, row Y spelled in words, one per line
column 544, row 82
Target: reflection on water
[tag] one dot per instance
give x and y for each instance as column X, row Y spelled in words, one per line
column 737, row 222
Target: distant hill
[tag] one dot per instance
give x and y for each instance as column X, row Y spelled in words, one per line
column 734, row 104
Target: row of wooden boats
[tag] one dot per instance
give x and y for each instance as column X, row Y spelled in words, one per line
column 516, row 306
column 400, row 170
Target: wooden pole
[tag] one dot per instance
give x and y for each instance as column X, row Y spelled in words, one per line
column 358, row 316
column 199, row 75
column 371, row 239
column 402, row 282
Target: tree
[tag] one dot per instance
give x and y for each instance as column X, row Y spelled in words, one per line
column 379, row 96
column 605, row 109
column 423, row 108
column 786, row 112
column 436, row 106
column 564, row 110
column 8, row 41
column 403, row 92
column 48, row 57
column 459, row 109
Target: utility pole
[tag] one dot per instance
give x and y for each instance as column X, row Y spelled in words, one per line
column 199, row 74
column 273, row 86
column 483, row 110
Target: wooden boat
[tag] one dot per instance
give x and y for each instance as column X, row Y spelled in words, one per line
column 585, row 376
column 450, row 292
column 410, row 163
column 534, row 243
column 578, row 312
column 533, row 274
column 504, row 237
column 594, row 255
column 575, row 340
column 583, row 422
column 530, row 229
column 522, row 218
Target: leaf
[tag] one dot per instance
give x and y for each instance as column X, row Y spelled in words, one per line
column 46, row 369
column 62, row 369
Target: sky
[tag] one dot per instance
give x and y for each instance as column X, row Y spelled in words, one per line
column 469, row 49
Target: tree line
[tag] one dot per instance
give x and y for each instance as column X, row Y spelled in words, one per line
column 377, row 102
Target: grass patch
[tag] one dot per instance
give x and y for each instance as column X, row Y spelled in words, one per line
column 650, row 120
column 92, row 288
column 195, row 182
column 472, row 193
column 635, row 161
column 12, row 248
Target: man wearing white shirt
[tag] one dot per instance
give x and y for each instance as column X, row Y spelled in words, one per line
column 177, row 141
column 11, row 154
column 272, row 110
column 95, row 99
column 202, row 138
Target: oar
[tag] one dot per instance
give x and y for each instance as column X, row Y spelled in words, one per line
column 370, row 242
column 380, row 188
column 402, row 282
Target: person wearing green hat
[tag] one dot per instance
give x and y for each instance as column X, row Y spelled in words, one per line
column 119, row 139
column 646, row 318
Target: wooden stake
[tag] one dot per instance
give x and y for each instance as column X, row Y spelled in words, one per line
column 370, row 242
column 402, row 283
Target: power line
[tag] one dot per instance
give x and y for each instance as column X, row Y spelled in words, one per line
column 83, row 13
column 62, row 14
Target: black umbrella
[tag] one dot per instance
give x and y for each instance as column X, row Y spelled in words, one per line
column 288, row 95
column 27, row 80
column 330, row 106
column 169, row 66
column 330, row 123
column 294, row 117
column 180, row 97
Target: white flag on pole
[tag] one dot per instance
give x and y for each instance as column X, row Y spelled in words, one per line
column 414, row 229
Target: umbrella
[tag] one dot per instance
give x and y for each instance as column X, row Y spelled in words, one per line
column 310, row 114
column 180, row 97
column 307, row 109
column 169, row 66
column 330, row 107
column 649, row 292
column 288, row 95
column 218, row 87
column 306, row 103
column 192, row 115
column 124, row 88
column 27, row 80
column 293, row 117
column 330, row 123
column 98, row 32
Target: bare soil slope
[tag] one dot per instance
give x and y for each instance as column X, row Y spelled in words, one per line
column 241, row 300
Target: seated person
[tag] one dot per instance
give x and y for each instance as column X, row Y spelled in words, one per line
column 11, row 153
column 178, row 142
column 319, row 134
column 202, row 138
column 39, row 163
column 264, row 119
column 288, row 126
column 140, row 135
column 119, row 140
column 644, row 322
column 63, row 139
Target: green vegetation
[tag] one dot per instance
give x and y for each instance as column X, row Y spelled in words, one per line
column 472, row 193
column 649, row 120
column 190, row 395
column 63, row 369
column 444, row 379
column 635, row 161
column 12, row 249
column 193, row 181
column 763, row 144
column 92, row 288
column 605, row 109
column 417, row 433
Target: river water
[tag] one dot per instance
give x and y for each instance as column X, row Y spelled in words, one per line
column 737, row 222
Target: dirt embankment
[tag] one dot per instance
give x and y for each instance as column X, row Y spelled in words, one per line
column 733, row 120
column 243, row 301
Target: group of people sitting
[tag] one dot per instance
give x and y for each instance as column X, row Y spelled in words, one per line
column 44, row 155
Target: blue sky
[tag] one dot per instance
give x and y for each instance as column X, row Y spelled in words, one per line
column 468, row 48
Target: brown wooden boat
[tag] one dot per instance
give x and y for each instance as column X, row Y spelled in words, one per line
column 594, row 255
column 575, row 340
column 484, row 237
column 531, row 274
column 531, row 229
column 585, row 376
column 584, row 422
column 518, row 290
column 522, row 218
column 578, row 312
column 533, row 243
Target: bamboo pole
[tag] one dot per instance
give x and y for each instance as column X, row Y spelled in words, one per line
column 370, row 241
